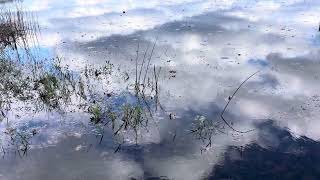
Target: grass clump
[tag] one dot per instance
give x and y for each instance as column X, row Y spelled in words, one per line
column 96, row 114
column 48, row 90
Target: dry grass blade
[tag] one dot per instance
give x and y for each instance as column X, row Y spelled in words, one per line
column 230, row 99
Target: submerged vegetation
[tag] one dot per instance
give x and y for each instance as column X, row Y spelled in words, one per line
column 167, row 91
column 50, row 87
column 19, row 140
column 37, row 85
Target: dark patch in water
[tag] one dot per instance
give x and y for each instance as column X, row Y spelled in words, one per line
column 293, row 158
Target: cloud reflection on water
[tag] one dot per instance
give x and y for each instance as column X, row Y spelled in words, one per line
column 212, row 53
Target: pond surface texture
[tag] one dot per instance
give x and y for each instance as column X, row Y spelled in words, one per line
column 159, row 89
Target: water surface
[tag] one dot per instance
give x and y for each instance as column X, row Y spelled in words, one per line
column 166, row 70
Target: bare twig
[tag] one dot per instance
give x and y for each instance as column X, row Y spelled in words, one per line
column 229, row 100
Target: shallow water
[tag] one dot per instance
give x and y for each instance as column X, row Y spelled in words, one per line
column 193, row 55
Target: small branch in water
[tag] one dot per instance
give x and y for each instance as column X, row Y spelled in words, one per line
column 101, row 138
column 174, row 137
column 118, row 148
column 229, row 100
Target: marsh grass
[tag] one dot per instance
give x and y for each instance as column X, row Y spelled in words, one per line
column 121, row 120
column 18, row 30
column 50, row 88
column 12, row 86
column 48, row 91
column 204, row 128
column 132, row 117
column 19, row 140
column 96, row 114
column 53, row 87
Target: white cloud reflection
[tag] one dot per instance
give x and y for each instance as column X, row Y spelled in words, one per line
column 213, row 46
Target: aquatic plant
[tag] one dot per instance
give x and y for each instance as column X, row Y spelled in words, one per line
column 96, row 113
column 17, row 31
column 203, row 129
column 19, row 139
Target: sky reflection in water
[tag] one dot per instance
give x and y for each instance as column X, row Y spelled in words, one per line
column 213, row 46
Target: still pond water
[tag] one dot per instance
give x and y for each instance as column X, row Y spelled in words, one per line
column 161, row 89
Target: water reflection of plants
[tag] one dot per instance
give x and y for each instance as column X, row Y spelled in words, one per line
column 41, row 87
column 49, row 86
column 204, row 128
column 36, row 85
column 19, row 140
column 135, row 115
column 121, row 120
column 17, row 31
column 52, row 87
